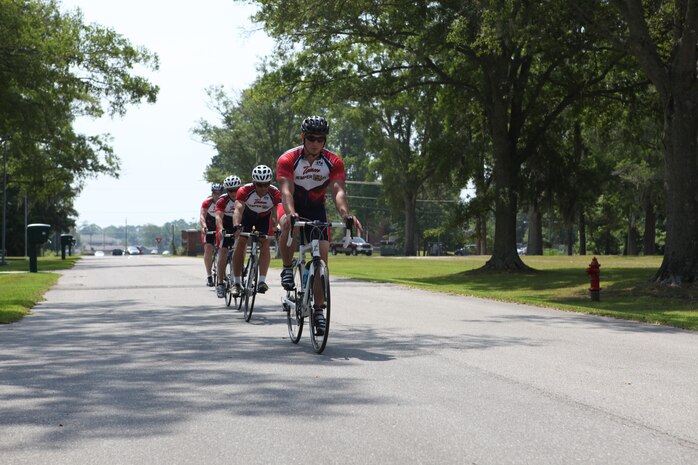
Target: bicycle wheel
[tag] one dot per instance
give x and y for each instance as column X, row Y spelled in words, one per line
column 229, row 284
column 250, row 288
column 320, row 340
column 294, row 312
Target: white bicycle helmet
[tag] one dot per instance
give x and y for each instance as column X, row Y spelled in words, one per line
column 262, row 173
column 231, row 182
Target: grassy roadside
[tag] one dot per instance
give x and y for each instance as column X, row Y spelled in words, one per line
column 558, row 282
column 19, row 292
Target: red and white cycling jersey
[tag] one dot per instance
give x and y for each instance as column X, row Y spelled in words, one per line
column 259, row 206
column 226, row 205
column 210, row 206
column 311, row 180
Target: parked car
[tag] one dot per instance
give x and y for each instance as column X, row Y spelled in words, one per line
column 133, row 250
column 356, row 246
column 117, row 252
column 469, row 249
column 99, row 253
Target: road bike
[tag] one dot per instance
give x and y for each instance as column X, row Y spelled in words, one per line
column 250, row 274
column 229, row 298
column 298, row 303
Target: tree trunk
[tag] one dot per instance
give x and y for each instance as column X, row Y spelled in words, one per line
column 570, row 239
column 631, row 245
column 505, row 173
column 680, row 262
column 607, row 243
column 649, row 237
column 535, row 230
column 481, row 225
column 582, row 233
column 410, row 199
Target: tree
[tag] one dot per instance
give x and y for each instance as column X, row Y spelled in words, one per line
column 53, row 68
column 524, row 63
column 663, row 36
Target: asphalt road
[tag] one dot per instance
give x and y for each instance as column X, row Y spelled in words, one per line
column 132, row 360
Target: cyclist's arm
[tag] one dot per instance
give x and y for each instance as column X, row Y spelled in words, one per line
column 219, row 220
column 339, row 195
column 202, row 217
column 237, row 213
column 287, row 188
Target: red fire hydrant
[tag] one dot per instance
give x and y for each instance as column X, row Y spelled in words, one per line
column 594, row 272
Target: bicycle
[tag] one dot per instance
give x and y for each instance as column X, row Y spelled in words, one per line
column 298, row 302
column 250, row 273
column 229, row 298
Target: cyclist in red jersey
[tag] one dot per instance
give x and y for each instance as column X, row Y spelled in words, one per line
column 207, row 219
column 254, row 204
column 225, row 207
column 304, row 174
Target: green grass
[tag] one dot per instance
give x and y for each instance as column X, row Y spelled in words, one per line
column 19, row 292
column 559, row 282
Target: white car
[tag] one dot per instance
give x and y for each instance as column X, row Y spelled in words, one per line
column 133, row 250
column 99, row 253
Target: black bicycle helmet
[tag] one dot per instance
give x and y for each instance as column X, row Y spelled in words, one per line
column 315, row 125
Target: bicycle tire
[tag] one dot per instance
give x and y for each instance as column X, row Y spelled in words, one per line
column 320, row 341
column 294, row 314
column 251, row 287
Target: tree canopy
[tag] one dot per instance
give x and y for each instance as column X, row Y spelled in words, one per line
column 54, row 68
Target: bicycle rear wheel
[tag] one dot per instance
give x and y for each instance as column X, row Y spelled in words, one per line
column 317, row 336
column 250, row 288
column 294, row 312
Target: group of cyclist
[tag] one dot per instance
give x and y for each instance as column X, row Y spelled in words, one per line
column 304, row 174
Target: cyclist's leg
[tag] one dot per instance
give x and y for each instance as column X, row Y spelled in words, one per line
column 222, row 258
column 317, row 288
column 238, row 260
column 208, row 262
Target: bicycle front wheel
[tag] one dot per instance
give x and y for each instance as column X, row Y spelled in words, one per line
column 318, row 335
column 250, row 286
column 294, row 308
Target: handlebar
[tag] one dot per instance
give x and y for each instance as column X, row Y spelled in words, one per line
column 257, row 234
column 320, row 224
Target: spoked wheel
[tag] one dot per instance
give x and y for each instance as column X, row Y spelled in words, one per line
column 250, row 288
column 318, row 335
column 294, row 313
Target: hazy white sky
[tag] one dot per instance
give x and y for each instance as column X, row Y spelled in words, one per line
column 204, row 43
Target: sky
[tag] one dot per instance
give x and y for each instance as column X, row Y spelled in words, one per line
column 200, row 44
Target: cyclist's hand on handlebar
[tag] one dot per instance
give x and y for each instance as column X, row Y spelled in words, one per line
column 351, row 222
column 236, row 230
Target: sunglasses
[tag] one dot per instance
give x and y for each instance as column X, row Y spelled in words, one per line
column 315, row 138
column 232, row 190
column 262, row 184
